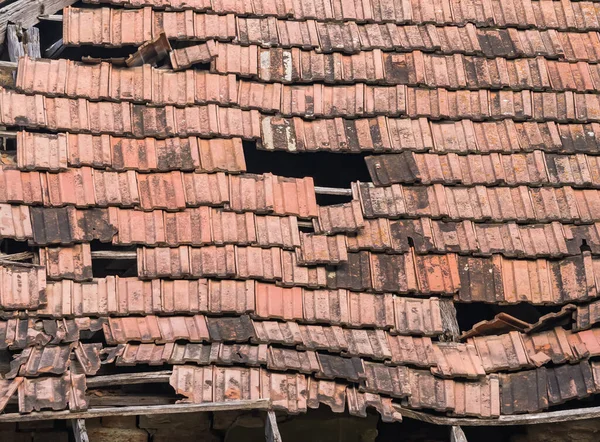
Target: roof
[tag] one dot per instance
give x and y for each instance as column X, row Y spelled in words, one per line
column 480, row 131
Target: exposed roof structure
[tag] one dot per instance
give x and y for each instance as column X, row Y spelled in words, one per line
column 481, row 125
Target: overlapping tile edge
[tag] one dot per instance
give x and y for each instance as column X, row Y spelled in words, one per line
column 487, row 192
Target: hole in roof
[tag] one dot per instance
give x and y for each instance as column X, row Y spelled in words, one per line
column 585, row 247
column 113, row 260
column 21, row 250
column 327, row 169
column 469, row 314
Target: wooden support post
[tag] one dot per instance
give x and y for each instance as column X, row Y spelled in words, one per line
column 457, row 434
column 15, row 49
column 449, row 321
column 271, row 428
column 23, row 42
column 79, row 430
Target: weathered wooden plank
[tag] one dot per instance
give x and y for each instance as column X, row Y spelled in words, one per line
column 79, row 430
column 22, row 42
column 258, row 404
column 128, row 379
column 271, row 429
column 522, row 419
column 457, row 434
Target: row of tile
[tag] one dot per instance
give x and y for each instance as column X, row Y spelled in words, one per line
column 46, row 226
column 20, row 333
column 375, row 344
column 413, row 69
column 87, row 187
column 58, row 152
column 292, row 393
column 198, row 328
column 104, row 81
column 383, row 134
column 56, row 359
column 135, row 26
column 67, row 225
column 531, row 391
column 125, row 296
column 496, row 280
column 528, row 391
column 579, row 15
column 163, row 87
column 471, row 279
column 533, row 169
column 552, row 240
column 479, row 356
column 479, row 203
column 80, row 115
column 319, row 101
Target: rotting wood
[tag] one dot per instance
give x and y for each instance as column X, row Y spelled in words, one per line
column 26, row 13
column 22, row 42
column 21, row 256
column 258, row 404
column 126, row 400
column 271, row 429
column 79, row 430
column 15, row 49
column 114, row 254
column 128, row 379
column 332, row 191
column 449, row 321
column 547, row 417
column 457, row 434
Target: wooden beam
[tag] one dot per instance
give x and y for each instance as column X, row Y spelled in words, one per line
column 114, row 254
column 79, row 430
column 128, row 379
column 457, row 434
column 26, row 13
column 8, row 133
column 54, row 17
column 55, row 49
column 271, row 429
column 126, row 400
column 332, row 191
column 547, row 417
column 21, row 256
column 257, row 404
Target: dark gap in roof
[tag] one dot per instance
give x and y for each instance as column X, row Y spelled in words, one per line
column 412, row 430
column 10, row 246
column 9, row 144
column 77, row 52
column 327, row 169
column 304, row 228
column 469, row 314
column 112, row 263
column 50, row 33
column 585, row 247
